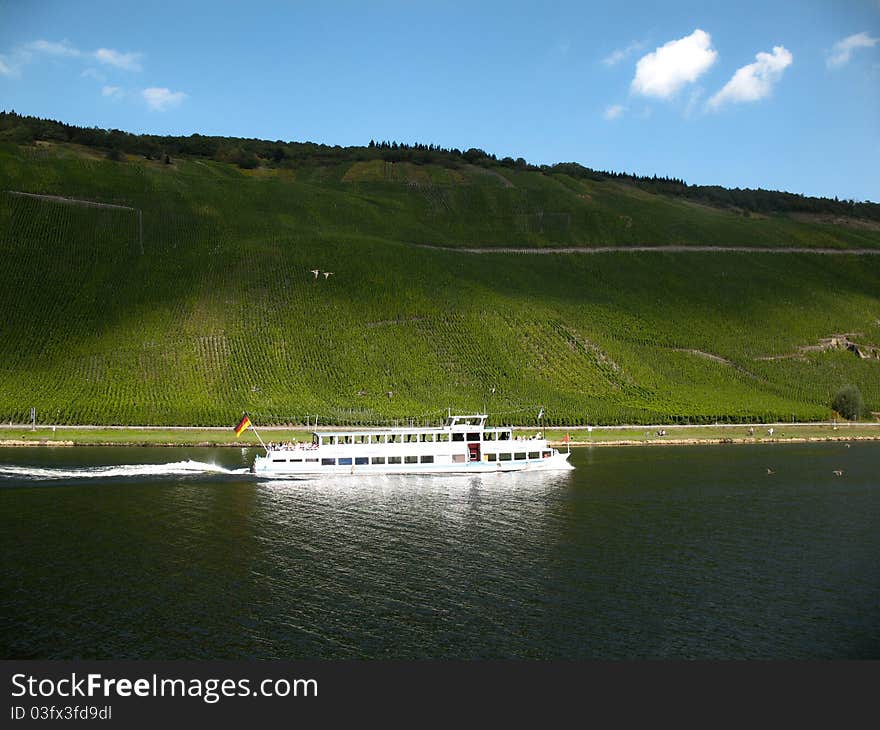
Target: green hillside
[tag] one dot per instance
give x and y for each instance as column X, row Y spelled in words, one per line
column 194, row 300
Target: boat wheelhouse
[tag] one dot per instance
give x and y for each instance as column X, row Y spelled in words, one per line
column 463, row 445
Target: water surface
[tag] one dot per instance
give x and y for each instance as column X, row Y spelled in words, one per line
column 678, row 552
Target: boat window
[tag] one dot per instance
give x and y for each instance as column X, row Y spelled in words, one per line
column 520, row 456
column 458, row 458
column 473, row 436
column 361, row 460
column 504, row 457
column 443, row 437
column 428, row 459
column 394, row 438
column 490, row 457
column 378, row 459
column 328, row 462
column 330, row 440
column 279, row 459
column 426, row 437
column 534, row 455
column 377, row 439
column 345, row 462
column 488, row 435
column 411, row 460
column 394, row 459
column 297, row 461
column 362, row 439
column 504, row 436
column 311, row 460
column 458, row 437
column 546, row 454
column 347, row 439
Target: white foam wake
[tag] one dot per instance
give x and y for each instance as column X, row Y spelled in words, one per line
column 176, row 468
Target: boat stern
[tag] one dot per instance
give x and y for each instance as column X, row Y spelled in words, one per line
column 260, row 464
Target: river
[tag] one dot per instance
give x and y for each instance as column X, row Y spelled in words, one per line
column 730, row 551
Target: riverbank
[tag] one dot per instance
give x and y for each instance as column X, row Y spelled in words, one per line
column 658, row 435
column 715, row 434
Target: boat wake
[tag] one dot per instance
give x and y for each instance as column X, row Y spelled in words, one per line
column 176, row 468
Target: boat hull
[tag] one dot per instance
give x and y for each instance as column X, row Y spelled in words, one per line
column 266, row 468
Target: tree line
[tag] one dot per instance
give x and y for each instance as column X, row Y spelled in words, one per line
column 252, row 153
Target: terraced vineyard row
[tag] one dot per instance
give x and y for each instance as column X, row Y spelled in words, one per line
column 219, row 311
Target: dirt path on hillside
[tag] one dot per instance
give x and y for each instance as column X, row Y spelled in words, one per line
column 675, row 248
column 71, row 201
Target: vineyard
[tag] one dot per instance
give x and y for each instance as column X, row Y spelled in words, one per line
column 192, row 298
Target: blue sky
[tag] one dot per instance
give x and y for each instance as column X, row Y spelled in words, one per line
column 774, row 94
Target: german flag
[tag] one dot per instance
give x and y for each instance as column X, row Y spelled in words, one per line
column 243, row 425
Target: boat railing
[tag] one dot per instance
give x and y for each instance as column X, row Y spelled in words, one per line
column 292, row 446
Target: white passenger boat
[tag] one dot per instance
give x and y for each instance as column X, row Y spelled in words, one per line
column 463, row 445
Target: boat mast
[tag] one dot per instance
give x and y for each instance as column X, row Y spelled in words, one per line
column 262, row 443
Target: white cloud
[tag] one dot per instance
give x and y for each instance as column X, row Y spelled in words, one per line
column 617, row 55
column 23, row 54
column 159, row 99
column 125, row 61
column 113, row 91
column 843, row 49
column 53, row 49
column 613, row 112
column 91, row 73
column 26, row 53
column 754, row 81
column 664, row 71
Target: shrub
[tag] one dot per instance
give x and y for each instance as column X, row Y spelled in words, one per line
column 848, row 402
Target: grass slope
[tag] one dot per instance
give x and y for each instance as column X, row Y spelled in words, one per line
column 211, row 310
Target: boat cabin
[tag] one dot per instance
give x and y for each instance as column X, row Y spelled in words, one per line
column 467, row 429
